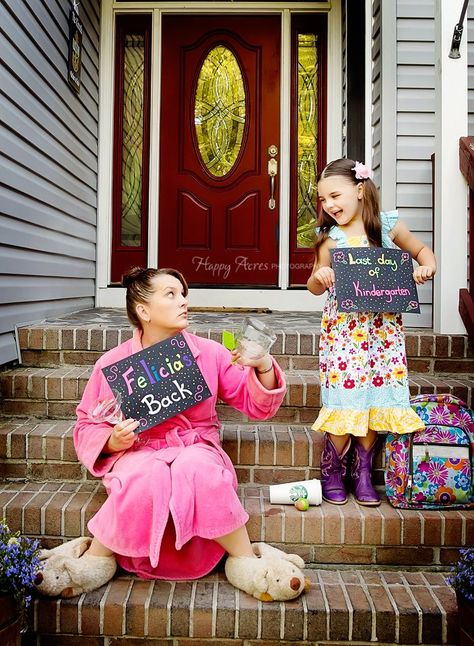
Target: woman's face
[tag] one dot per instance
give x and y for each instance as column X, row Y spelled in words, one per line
column 167, row 309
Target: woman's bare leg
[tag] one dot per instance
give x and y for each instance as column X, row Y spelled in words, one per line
column 97, row 549
column 237, row 543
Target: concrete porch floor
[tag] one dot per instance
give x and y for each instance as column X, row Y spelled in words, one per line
column 303, row 322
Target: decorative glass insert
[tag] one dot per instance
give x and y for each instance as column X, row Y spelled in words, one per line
column 219, row 111
column 132, row 147
column 307, row 138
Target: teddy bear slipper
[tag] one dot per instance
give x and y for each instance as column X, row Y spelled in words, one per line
column 274, row 576
column 69, row 572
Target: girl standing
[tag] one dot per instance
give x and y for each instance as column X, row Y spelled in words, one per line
column 362, row 362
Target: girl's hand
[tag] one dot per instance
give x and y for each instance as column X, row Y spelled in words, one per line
column 122, row 436
column 325, row 276
column 423, row 273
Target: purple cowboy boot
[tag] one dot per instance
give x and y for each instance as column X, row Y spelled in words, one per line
column 333, row 470
column 361, row 470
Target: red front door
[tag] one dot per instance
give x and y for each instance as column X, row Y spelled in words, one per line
column 220, row 101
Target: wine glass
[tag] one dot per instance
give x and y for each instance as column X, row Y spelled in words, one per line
column 107, row 410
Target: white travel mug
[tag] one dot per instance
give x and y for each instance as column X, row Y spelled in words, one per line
column 289, row 492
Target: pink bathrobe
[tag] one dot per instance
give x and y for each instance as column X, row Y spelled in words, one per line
column 175, row 489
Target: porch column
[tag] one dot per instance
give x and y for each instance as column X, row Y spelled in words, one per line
column 450, row 216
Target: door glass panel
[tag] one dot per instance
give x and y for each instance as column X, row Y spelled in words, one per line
column 220, row 111
column 132, row 148
column 307, row 137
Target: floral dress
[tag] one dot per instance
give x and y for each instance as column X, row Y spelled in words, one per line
column 362, row 362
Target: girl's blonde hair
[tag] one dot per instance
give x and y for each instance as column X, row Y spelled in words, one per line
column 140, row 288
column 370, row 204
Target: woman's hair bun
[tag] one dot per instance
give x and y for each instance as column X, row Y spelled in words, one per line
column 131, row 276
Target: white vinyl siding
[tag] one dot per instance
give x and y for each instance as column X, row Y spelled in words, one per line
column 416, row 126
column 48, row 165
column 403, row 119
column 469, row 33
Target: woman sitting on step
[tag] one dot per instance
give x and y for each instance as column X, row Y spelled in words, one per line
column 172, row 510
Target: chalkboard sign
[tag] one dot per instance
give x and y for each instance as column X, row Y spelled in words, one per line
column 374, row 280
column 158, row 382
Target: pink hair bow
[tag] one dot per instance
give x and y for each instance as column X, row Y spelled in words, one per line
column 362, row 171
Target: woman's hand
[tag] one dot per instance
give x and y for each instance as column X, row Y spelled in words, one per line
column 423, row 273
column 122, row 436
column 264, row 370
column 325, row 276
column 262, row 363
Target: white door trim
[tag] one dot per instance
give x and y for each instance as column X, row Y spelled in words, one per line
column 284, row 156
column 155, row 108
column 281, row 298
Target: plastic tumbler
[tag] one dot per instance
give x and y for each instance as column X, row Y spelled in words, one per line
column 254, row 339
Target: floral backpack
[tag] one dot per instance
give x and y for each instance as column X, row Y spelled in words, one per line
column 433, row 468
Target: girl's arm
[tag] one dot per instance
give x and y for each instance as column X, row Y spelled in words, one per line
column 322, row 277
column 423, row 255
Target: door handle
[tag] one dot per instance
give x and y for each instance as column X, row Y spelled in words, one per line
column 272, row 173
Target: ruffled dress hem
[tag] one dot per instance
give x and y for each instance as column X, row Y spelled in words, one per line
column 359, row 422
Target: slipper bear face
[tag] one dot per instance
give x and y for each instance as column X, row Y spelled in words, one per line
column 68, row 570
column 55, row 577
column 281, row 580
column 273, row 576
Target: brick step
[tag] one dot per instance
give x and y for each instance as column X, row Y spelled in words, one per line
column 426, row 366
column 55, row 393
column 36, row 449
column 342, row 606
column 296, row 349
column 325, row 534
